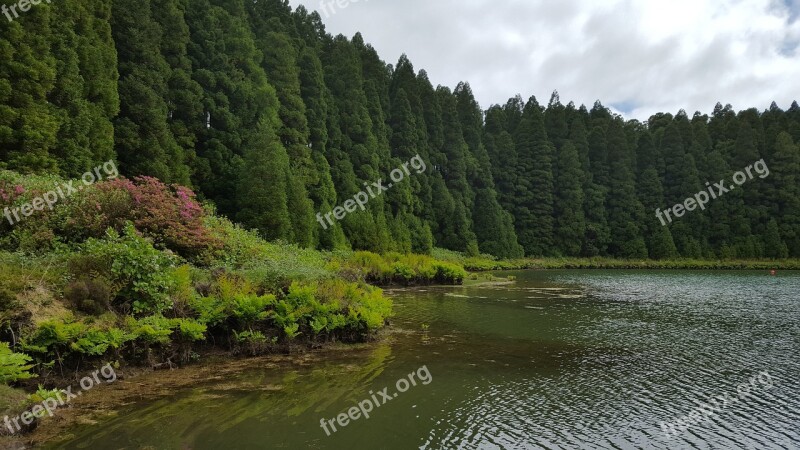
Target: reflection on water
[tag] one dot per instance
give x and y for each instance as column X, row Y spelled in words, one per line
column 560, row 359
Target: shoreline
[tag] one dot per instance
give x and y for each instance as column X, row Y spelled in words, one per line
column 478, row 265
column 142, row 383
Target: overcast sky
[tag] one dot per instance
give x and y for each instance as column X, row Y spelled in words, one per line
column 637, row 56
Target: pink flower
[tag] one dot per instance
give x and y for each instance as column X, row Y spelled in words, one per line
column 19, row 190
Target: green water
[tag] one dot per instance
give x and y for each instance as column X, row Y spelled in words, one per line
column 559, row 359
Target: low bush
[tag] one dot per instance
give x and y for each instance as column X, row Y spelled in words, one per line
column 132, row 263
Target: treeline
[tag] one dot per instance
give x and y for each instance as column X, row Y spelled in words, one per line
column 262, row 112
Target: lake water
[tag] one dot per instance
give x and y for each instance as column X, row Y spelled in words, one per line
column 556, row 360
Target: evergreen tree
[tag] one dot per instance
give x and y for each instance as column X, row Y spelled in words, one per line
column 535, row 159
column 144, row 141
column 742, row 201
column 458, row 233
column 555, row 119
column 283, row 72
column 495, row 236
column 569, row 220
column 186, row 113
column 681, row 181
column 503, row 157
column 263, row 187
column 241, row 120
column 785, row 198
column 774, row 247
column 624, row 210
column 657, row 235
column 85, row 91
column 29, row 124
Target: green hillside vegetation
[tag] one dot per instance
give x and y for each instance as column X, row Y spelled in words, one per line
column 137, row 271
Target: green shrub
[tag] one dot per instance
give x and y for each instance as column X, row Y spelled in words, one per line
column 142, row 271
column 91, row 295
column 55, row 336
column 251, row 308
column 209, row 310
column 254, row 342
column 373, row 266
column 182, row 291
column 449, row 273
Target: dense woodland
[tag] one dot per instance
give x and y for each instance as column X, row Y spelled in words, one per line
column 270, row 118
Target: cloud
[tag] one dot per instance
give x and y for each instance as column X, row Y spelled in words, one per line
column 637, row 56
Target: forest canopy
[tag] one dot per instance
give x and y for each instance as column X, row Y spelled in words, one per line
column 263, row 113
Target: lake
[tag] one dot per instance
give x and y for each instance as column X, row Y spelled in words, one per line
column 556, row 360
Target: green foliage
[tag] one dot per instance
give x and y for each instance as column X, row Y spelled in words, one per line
column 63, row 337
column 13, row 366
column 250, row 308
column 190, row 330
column 267, row 265
column 41, row 395
column 153, row 330
column 331, row 306
column 402, row 269
column 142, row 271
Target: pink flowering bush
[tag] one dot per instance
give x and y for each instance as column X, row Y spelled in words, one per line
column 170, row 216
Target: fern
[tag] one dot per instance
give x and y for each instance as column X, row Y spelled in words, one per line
column 13, row 366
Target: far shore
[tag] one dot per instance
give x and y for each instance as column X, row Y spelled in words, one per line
column 484, row 265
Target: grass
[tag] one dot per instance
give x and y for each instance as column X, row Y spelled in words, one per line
column 12, row 403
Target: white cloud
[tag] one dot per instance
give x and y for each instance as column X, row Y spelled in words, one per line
column 640, row 55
